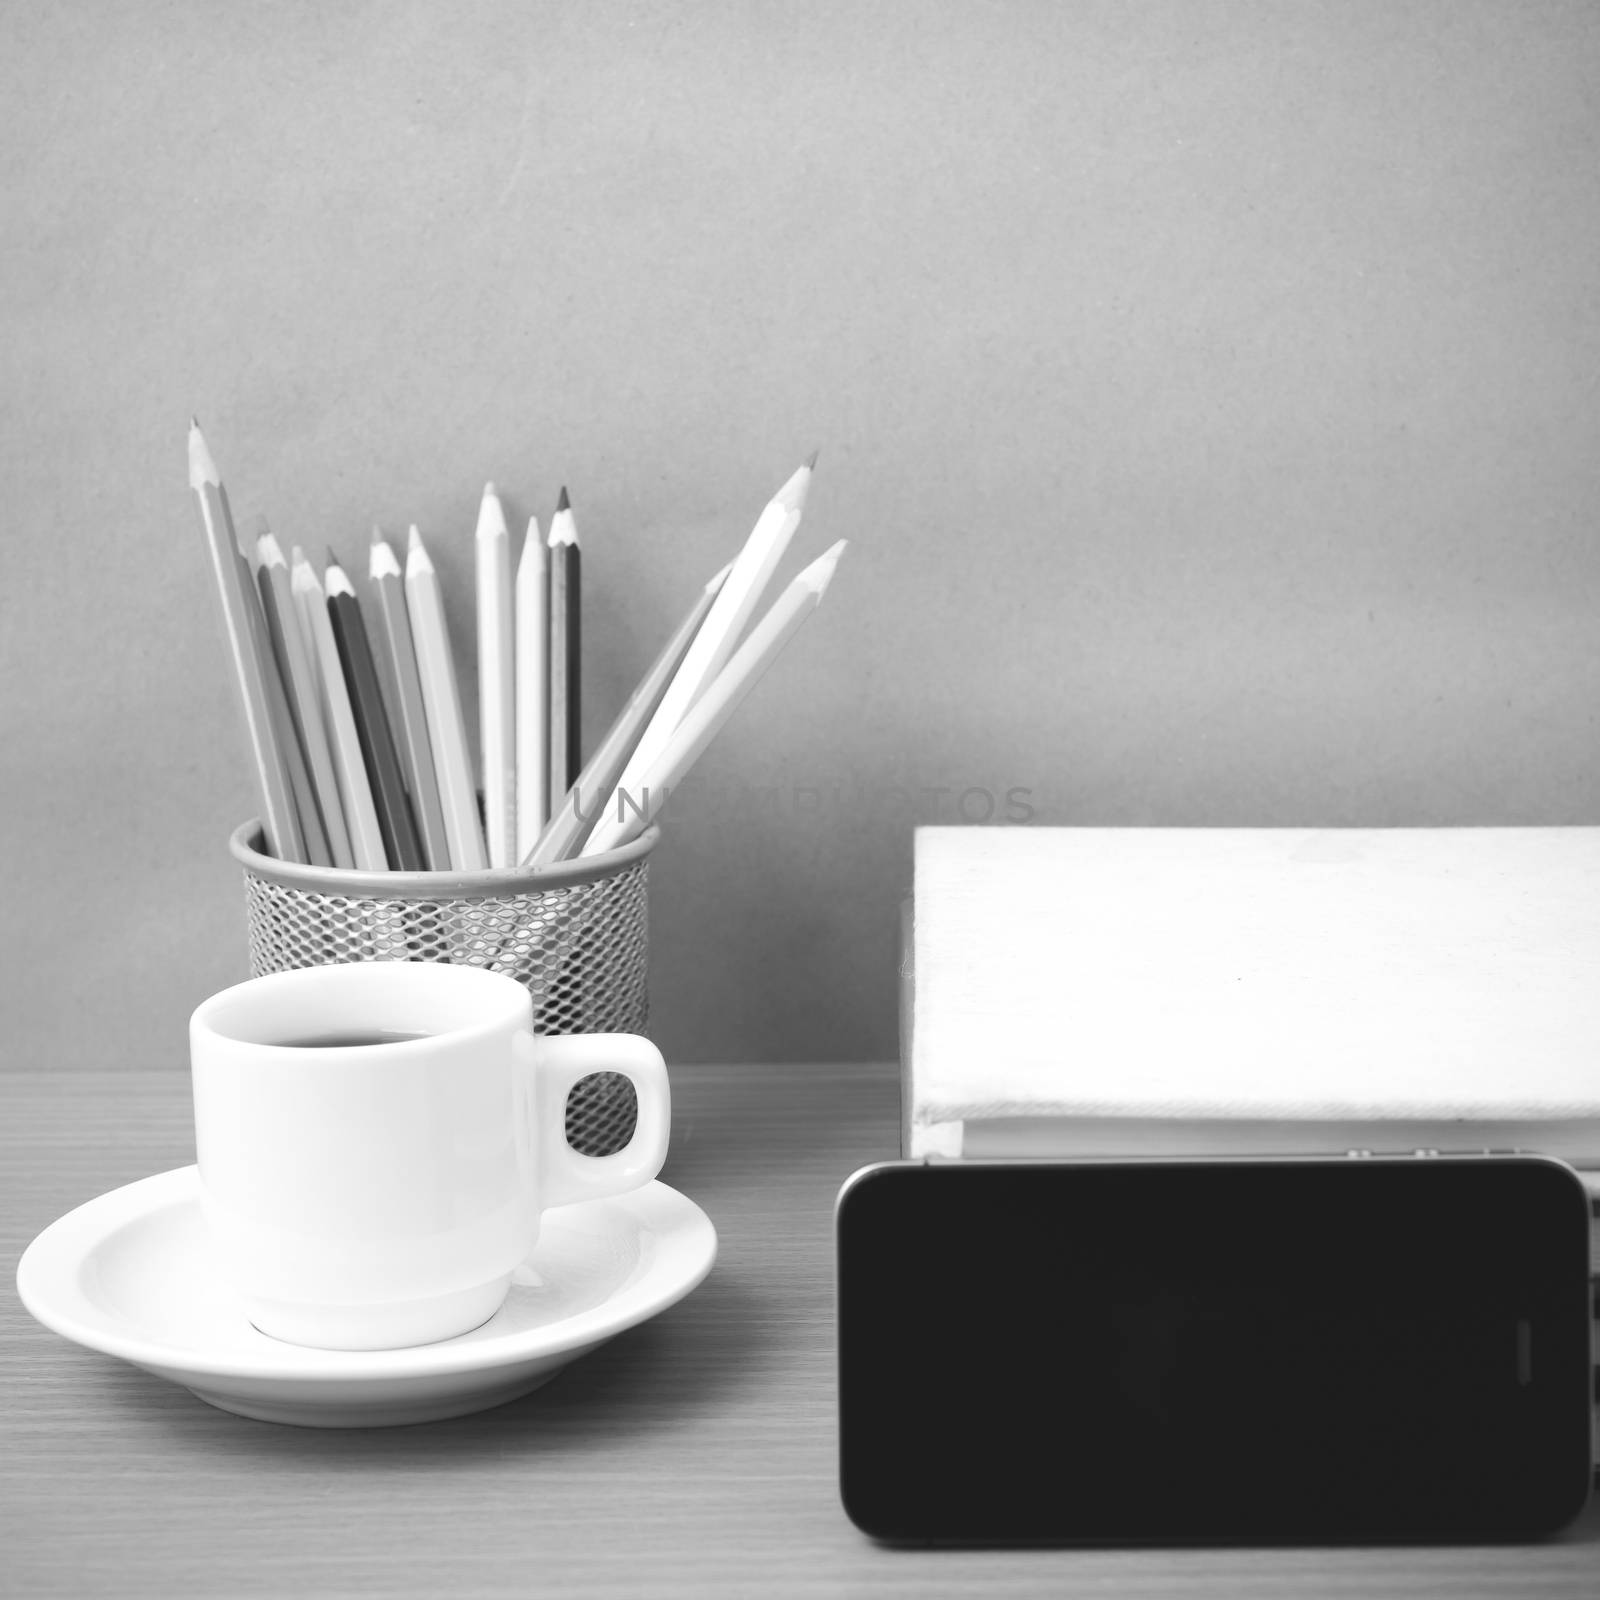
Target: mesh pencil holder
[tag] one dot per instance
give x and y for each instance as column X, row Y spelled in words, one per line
column 574, row 934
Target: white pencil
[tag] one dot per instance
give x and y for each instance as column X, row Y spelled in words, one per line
column 719, row 634
column 533, row 689
column 717, row 704
column 355, row 792
column 564, row 834
column 497, row 724
column 441, row 699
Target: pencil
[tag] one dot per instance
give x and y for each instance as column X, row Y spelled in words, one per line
column 378, row 753
column 279, row 821
column 561, row 839
column 314, row 840
column 497, row 724
column 289, row 646
column 788, row 612
column 441, row 700
column 372, row 618
column 533, row 688
column 410, row 721
column 714, row 644
column 566, row 753
column 344, row 744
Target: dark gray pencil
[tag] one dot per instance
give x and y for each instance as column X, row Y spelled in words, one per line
column 566, row 679
column 378, row 753
column 410, row 720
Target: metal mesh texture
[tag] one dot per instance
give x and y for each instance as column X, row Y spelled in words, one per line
column 579, row 948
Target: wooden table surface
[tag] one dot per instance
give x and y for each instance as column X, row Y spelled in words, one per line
column 693, row 1456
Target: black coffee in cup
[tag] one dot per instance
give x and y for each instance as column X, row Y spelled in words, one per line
column 349, row 1038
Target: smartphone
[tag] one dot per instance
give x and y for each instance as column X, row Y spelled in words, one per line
column 1260, row 1351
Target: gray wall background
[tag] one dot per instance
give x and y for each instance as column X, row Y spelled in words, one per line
column 1208, row 391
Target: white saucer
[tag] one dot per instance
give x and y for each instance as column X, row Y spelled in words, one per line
column 134, row 1274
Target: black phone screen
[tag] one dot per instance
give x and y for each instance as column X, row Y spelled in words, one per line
column 1246, row 1352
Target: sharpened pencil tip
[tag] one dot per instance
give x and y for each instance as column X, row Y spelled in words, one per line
column 492, row 515
column 337, row 581
column 563, row 532
column 792, row 496
column 302, row 575
column 417, row 559
column 202, row 469
column 531, row 562
column 563, row 526
column 333, row 558
column 820, row 573
column 811, row 461
column 381, row 559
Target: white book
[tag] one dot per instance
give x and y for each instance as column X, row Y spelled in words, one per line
column 1251, row 991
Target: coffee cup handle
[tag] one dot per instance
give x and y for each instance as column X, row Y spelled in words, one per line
column 556, row 1062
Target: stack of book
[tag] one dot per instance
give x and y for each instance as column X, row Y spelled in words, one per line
column 1101, row 992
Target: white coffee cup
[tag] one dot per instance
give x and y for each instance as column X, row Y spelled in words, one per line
column 367, row 1196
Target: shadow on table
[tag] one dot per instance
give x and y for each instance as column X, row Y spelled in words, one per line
column 667, row 1374
column 740, row 1132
